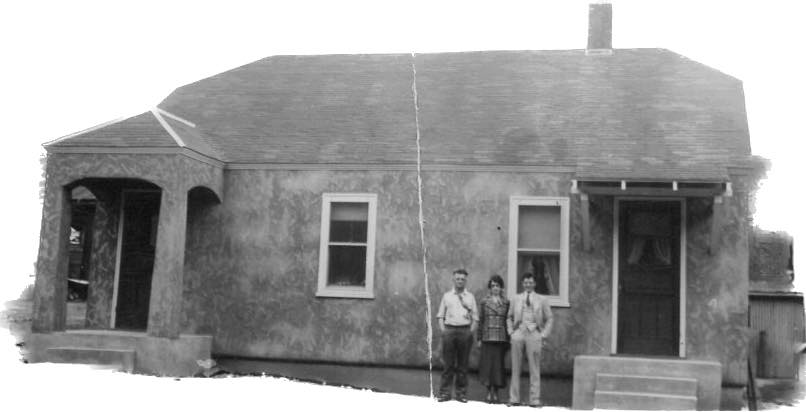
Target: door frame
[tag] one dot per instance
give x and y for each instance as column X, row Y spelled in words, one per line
column 682, row 315
column 119, row 248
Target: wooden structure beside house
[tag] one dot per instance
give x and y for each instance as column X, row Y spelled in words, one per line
column 286, row 209
column 776, row 315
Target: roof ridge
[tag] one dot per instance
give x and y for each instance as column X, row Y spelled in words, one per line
column 175, row 117
column 167, row 127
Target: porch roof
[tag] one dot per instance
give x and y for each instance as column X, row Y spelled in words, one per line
column 145, row 130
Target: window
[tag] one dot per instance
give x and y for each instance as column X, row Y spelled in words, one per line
column 347, row 245
column 538, row 243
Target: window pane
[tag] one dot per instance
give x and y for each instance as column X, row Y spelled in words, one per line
column 546, row 268
column 539, row 227
column 347, row 266
column 348, row 222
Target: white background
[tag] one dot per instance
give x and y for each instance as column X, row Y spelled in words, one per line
column 67, row 66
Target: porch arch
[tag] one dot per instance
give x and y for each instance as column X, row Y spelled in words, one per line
column 105, row 175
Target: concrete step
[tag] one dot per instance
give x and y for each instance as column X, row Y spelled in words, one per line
column 663, row 385
column 122, row 359
column 642, row 401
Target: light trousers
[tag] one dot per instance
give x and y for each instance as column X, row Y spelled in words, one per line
column 532, row 343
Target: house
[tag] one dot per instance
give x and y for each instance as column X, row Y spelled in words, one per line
column 311, row 208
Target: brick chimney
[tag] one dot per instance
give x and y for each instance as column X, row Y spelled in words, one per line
column 600, row 26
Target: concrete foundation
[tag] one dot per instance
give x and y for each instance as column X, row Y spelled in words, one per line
column 708, row 376
column 152, row 355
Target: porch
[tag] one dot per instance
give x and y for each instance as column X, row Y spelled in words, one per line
column 135, row 262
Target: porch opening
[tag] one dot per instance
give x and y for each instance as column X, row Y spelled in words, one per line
column 82, row 213
column 109, row 276
column 136, row 251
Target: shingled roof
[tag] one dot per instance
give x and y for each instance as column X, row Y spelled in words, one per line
column 633, row 114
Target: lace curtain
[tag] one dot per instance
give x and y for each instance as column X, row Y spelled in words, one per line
column 660, row 250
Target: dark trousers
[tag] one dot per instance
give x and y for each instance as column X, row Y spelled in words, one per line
column 456, row 343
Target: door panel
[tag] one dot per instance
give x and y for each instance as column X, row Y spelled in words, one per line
column 649, row 277
column 140, row 218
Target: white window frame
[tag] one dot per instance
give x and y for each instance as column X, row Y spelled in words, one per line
column 362, row 292
column 515, row 202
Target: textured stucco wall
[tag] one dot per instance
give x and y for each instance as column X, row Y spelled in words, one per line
column 252, row 262
column 163, row 170
column 467, row 218
column 252, row 268
column 717, row 283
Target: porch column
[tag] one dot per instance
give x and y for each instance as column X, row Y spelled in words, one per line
column 165, row 306
column 103, row 259
column 50, row 287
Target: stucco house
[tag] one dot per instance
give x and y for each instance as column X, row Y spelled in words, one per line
column 312, row 208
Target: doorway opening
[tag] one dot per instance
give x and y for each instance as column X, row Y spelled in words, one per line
column 135, row 264
column 649, row 281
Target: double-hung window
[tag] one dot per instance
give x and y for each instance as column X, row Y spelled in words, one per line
column 538, row 244
column 347, row 245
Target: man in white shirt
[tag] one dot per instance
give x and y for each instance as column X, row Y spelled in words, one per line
column 529, row 323
column 458, row 317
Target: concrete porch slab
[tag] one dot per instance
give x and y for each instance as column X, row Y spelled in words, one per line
column 152, row 355
column 122, row 359
column 707, row 373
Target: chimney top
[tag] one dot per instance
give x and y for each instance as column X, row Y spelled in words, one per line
column 600, row 26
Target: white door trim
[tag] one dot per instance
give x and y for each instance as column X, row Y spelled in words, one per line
column 615, row 294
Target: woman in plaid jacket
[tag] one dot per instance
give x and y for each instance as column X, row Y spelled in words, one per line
column 492, row 333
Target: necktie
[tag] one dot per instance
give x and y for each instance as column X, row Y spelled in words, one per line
column 528, row 303
column 462, row 302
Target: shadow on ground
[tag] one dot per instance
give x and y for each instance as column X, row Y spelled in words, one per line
column 557, row 391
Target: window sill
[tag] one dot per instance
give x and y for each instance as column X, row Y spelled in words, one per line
column 345, row 292
column 559, row 303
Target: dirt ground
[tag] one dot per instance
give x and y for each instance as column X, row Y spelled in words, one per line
column 775, row 393
column 16, row 317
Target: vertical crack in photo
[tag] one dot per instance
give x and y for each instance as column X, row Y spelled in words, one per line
column 424, row 246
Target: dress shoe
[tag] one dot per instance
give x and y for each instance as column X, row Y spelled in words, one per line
column 461, row 399
column 443, row 398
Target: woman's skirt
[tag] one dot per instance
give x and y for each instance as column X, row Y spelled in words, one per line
column 491, row 364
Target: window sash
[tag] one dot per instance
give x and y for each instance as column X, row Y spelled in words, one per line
column 324, row 287
column 515, row 251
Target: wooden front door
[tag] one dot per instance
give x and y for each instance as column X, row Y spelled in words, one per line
column 649, row 277
column 140, row 219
